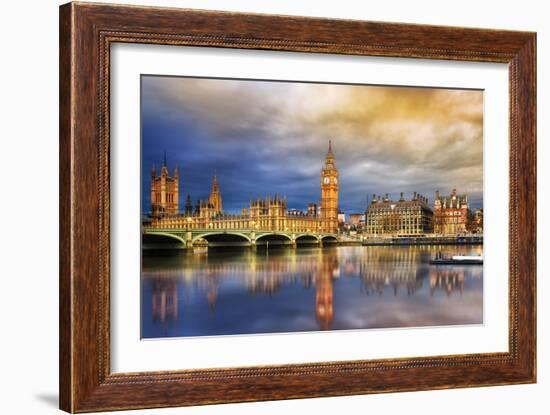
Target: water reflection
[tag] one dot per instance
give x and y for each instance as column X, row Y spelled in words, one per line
column 164, row 301
column 285, row 290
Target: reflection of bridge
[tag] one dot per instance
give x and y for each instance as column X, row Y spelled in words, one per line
column 188, row 238
column 263, row 274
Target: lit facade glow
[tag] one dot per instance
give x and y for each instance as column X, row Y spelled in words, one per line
column 268, row 214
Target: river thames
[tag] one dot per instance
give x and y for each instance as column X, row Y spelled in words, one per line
column 244, row 291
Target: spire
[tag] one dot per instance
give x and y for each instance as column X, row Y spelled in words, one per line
column 215, row 186
column 164, row 162
column 329, row 160
column 329, row 153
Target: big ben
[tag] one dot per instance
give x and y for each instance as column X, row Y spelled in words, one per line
column 329, row 194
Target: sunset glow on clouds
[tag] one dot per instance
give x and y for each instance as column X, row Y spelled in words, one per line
column 265, row 137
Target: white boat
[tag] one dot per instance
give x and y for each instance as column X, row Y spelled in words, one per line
column 457, row 260
column 467, row 258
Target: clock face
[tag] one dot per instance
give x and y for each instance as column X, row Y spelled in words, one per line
column 336, row 180
column 326, row 180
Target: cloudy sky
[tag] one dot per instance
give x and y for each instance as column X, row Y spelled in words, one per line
column 265, row 137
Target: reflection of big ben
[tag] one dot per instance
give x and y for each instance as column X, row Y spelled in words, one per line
column 329, row 193
column 324, row 291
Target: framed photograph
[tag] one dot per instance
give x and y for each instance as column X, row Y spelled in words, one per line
column 258, row 207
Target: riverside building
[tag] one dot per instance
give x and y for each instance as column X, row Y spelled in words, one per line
column 398, row 218
column 451, row 214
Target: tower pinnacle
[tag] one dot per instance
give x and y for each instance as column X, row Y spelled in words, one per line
column 215, row 198
column 215, row 186
column 329, row 160
column 164, row 190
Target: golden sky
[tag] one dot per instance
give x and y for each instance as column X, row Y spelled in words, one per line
column 386, row 139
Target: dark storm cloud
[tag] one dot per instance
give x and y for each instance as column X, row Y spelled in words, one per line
column 267, row 137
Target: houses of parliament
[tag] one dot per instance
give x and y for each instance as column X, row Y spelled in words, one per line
column 267, row 214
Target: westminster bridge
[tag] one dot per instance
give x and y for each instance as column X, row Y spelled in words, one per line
column 156, row 237
column 264, row 223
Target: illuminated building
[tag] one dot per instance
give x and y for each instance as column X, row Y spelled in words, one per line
column 164, row 191
column 269, row 213
column 401, row 218
column 451, row 214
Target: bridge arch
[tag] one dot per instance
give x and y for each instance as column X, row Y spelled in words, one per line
column 274, row 238
column 305, row 238
column 206, row 235
column 223, row 237
column 151, row 240
column 331, row 239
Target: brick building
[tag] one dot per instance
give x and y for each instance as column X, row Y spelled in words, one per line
column 451, row 214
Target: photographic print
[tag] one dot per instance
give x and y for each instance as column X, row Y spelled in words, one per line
column 280, row 207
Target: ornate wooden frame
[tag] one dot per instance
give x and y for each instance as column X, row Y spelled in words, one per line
column 86, row 33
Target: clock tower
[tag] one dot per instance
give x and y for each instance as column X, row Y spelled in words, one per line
column 329, row 194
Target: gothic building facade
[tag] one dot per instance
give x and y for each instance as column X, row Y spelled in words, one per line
column 329, row 193
column 451, row 214
column 164, row 191
column 269, row 213
column 215, row 199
